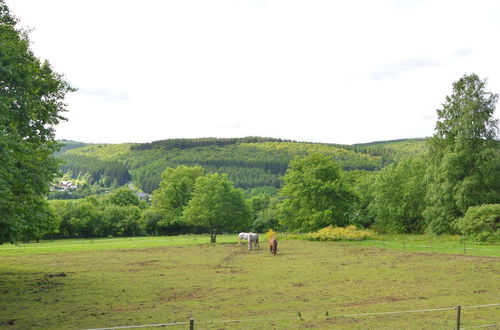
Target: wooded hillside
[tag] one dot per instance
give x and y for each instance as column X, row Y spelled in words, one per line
column 249, row 162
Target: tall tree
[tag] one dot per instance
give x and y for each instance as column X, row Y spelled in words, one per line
column 464, row 154
column 175, row 191
column 316, row 194
column 31, row 103
column 399, row 192
column 216, row 204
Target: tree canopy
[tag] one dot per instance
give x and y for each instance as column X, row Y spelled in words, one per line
column 316, row 194
column 31, row 103
column 398, row 201
column 217, row 205
column 175, row 191
column 463, row 169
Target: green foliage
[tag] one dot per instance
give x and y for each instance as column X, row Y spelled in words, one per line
column 264, row 212
column 391, row 151
column 106, row 173
column 118, row 214
column 121, row 220
column 258, row 203
column 81, row 192
column 399, row 192
column 151, row 221
column 349, row 233
column 464, row 155
column 31, row 103
column 481, row 222
column 66, row 145
column 123, row 197
column 316, row 195
column 217, row 205
column 201, row 142
column 175, row 192
column 363, row 183
column 80, row 219
column 248, row 162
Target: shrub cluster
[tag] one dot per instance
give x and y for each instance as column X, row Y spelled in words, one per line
column 481, row 223
column 271, row 234
column 349, row 233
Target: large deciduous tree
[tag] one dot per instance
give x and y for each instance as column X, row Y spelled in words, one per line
column 399, row 192
column 31, row 103
column 316, row 195
column 464, row 155
column 217, row 205
column 175, row 191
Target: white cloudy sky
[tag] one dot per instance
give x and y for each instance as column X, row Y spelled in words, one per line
column 347, row 71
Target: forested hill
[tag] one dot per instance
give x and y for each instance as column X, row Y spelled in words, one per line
column 249, row 162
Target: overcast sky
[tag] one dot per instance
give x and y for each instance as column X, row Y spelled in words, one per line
column 323, row 71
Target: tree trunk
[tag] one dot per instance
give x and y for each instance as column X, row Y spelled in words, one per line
column 213, row 235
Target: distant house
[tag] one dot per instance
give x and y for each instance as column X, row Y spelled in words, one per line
column 142, row 195
column 65, row 186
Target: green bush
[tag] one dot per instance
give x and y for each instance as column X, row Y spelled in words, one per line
column 482, row 222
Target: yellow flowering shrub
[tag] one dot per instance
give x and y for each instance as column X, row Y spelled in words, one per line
column 349, row 233
column 271, row 234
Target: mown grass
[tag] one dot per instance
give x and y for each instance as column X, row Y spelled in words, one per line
column 77, row 284
column 74, row 245
column 452, row 244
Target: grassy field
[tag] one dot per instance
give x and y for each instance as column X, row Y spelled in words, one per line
column 80, row 284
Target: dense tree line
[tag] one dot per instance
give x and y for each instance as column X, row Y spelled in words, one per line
column 464, row 163
column 117, row 214
column 247, row 165
column 94, row 170
column 201, row 142
column 439, row 191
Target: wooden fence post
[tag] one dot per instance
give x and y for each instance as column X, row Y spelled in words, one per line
column 191, row 324
column 458, row 317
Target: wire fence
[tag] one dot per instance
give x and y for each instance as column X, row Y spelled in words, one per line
column 299, row 317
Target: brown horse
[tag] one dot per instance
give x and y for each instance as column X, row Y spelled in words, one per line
column 273, row 246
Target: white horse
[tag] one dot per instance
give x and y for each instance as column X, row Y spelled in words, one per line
column 252, row 238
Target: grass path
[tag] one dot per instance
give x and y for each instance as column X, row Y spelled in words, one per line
column 143, row 282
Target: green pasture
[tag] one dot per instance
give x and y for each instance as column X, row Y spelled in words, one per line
column 452, row 244
column 81, row 284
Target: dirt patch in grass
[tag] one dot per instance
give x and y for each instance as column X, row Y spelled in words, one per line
column 10, row 322
column 48, row 282
column 56, row 275
column 143, row 263
column 373, row 301
column 298, row 285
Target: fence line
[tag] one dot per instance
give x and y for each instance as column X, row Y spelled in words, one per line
column 481, row 326
column 456, row 246
column 480, row 306
column 142, row 326
column 191, row 322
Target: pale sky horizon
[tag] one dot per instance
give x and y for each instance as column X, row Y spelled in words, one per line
column 320, row 71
